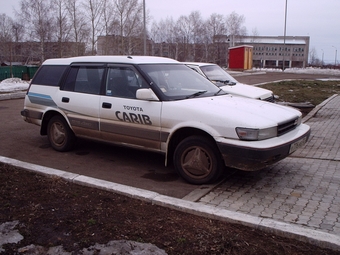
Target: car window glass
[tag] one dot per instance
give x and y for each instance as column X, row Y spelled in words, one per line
column 70, row 79
column 178, row 81
column 123, row 82
column 49, row 75
column 214, row 73
column 84, row 79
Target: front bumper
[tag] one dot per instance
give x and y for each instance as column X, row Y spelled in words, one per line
column 251, row 158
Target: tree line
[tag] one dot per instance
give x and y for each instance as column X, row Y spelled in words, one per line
column 83, row 21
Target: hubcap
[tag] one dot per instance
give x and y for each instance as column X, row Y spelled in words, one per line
column 196, row 162
column 58, row 134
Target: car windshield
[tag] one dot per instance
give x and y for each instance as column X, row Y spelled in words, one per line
column 177, row 81
column 217, row 74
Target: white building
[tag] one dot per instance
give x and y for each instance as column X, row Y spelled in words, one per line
column 271, row 51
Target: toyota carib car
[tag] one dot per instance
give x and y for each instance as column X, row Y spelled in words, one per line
column 161, row 105
column 229, row 84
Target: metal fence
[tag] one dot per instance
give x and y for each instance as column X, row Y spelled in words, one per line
column 22, row 72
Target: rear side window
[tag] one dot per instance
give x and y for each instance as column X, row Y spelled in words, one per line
column 84, row 79
column 49, row 75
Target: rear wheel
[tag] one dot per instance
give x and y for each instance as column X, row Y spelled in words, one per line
column 60, row 136
column 198, row 160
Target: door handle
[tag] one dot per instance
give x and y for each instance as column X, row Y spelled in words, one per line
column 65, row 100
column 106, row 105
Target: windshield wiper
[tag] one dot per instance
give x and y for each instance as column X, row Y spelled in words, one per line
column 218, row 92
column 198, row 93
column 226, row 82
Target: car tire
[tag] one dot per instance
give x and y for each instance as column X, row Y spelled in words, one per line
column 60, row 136
column 198, row 160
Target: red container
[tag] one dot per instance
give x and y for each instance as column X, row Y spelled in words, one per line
column 241, row 57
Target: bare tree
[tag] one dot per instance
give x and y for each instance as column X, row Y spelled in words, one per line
column 94, row 12
column 130, row 15
column 36, row 16
column 6, row 38
column 62, row 24
column 216, row 31
column 79, row 29
column 189, row 34
column 313, row 58
column 235, row 26
column 183, row 37
column 18, row 31
column 196, row 22
column 255, row 32
column 163, row 34
column 110, row 29
column 6, row 24
column 109, row 19
column 159, row 36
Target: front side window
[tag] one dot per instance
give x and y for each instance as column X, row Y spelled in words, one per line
column 123, row 82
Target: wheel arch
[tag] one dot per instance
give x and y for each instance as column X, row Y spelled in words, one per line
column 48, row 115
column 181, row 134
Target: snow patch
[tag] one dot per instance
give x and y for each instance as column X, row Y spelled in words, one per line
column 8, row 234
column 308, row 70
column 13, row 84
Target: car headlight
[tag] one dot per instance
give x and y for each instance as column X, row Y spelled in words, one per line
column 252, row 134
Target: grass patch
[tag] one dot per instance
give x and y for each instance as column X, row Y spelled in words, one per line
column 301, row 91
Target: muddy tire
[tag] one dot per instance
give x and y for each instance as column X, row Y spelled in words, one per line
column 198, row 160
column 59, row 134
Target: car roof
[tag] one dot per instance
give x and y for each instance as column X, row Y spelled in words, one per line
column 111, row 59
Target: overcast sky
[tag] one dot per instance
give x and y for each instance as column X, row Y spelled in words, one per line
column 319, row 19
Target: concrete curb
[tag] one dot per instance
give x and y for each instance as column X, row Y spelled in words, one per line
column 317, row 108
column 14, row 95
column 307, row 235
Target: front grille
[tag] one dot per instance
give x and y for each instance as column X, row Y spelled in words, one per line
column 287, row 126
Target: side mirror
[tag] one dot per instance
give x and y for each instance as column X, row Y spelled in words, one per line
column 146, row 94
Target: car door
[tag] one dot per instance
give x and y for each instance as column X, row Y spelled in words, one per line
column 80, row 98
column 124, row 118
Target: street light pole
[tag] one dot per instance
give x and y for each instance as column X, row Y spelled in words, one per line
column 322, row 57
column 284, row 39
column 336, row 53
column 144, row 34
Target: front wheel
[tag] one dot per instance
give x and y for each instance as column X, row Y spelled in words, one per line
column 198, row 160
column 60, row 136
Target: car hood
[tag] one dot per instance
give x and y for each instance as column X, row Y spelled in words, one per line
column 240, row 89
column 229, row 111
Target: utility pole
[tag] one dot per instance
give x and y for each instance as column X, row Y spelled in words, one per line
column 284, row 39
column 144, row 34
column 336, row 53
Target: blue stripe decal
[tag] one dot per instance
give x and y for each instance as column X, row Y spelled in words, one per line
column 41, row 99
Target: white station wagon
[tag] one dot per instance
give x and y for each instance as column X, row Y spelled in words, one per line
column 228, row 83
column 161, row 105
